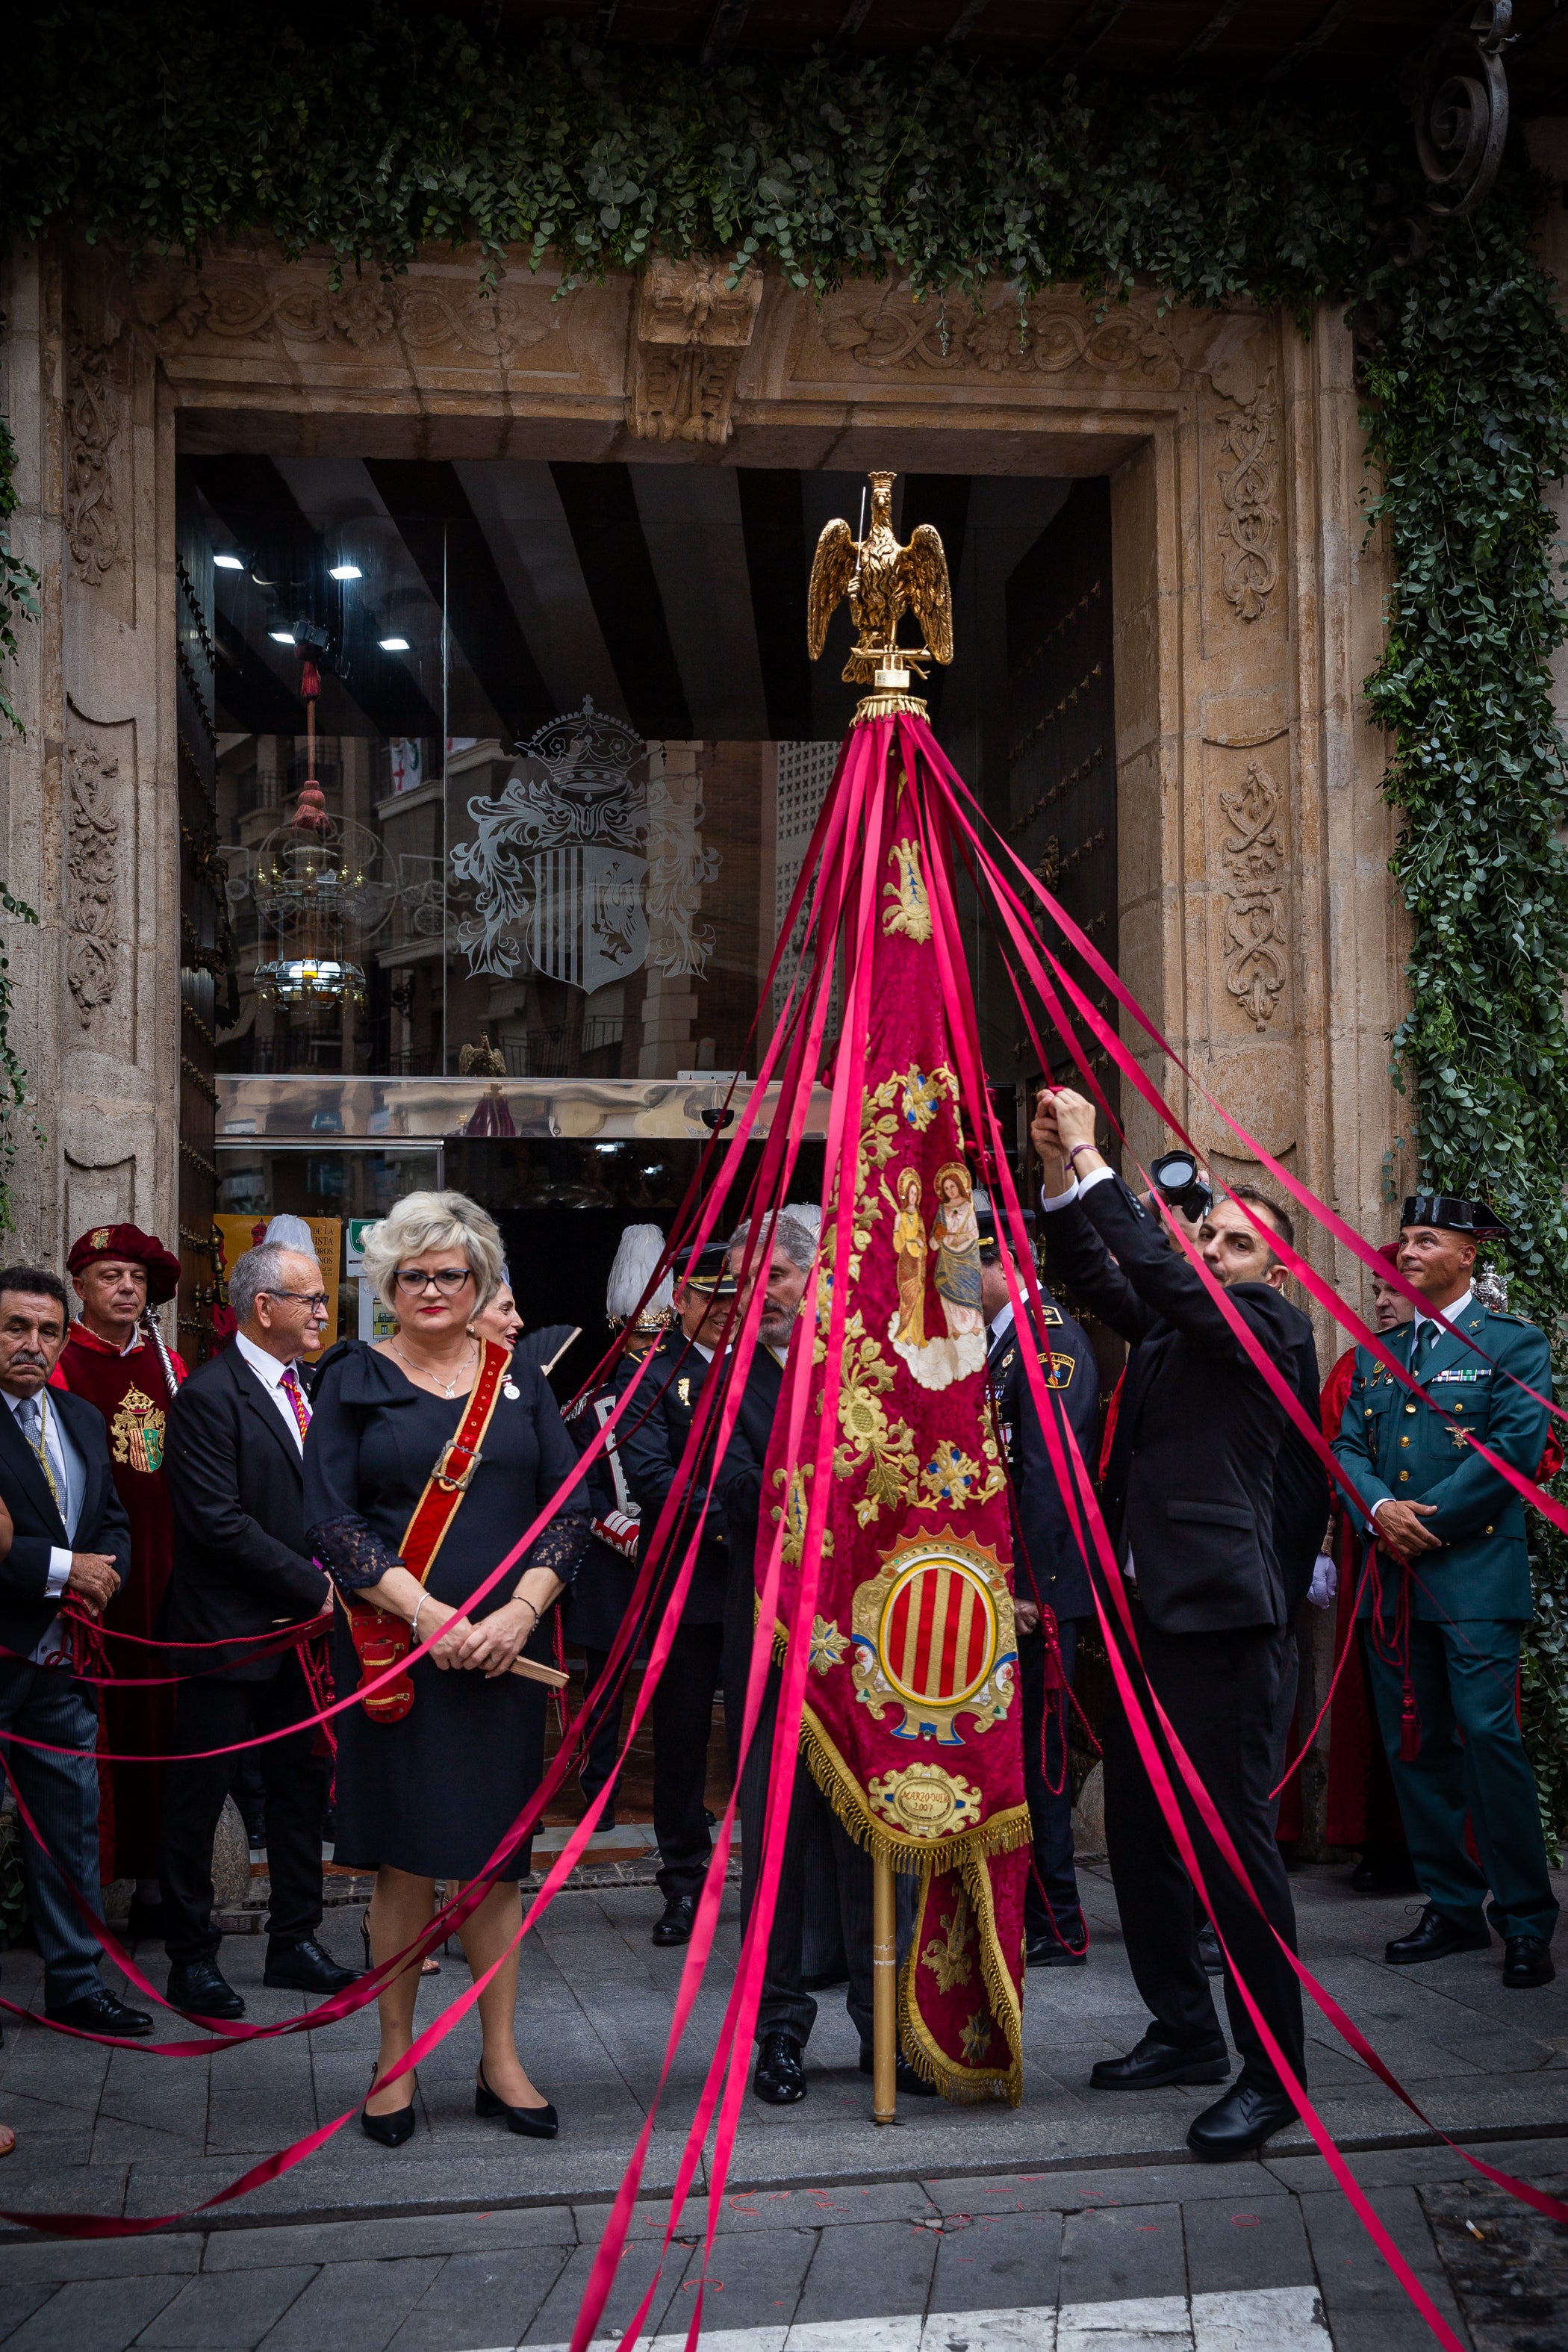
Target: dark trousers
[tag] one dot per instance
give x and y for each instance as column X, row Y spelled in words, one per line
column 1050, row 1897
column 61, row 1794
column 215, row 1711
column 1472, row 1761
column 813, row 1826
column 681, row 1712
column 601, row 1744
column 1220, row 1692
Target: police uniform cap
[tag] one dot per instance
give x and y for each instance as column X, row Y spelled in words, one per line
column 708, row 1273
column 1447, row 1215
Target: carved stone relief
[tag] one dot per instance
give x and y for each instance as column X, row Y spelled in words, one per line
column 92, row 921
column 1051, row 335
column 1253, row 859
column 691, row 332
column 92, row 425
column 1249, row 482
column 241, row 305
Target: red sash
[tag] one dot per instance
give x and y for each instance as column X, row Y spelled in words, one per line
column 380, row 1641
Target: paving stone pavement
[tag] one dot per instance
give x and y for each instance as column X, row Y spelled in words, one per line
column 129, row 2131
column 468, row 2240
column 1257, row 2257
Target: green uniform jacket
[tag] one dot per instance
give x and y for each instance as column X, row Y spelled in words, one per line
column 1389, row 1445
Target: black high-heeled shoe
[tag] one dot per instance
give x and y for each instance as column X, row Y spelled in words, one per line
column 388, row 2131
column 531, row 2123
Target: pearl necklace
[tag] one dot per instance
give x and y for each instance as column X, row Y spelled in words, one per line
column 419, row 1373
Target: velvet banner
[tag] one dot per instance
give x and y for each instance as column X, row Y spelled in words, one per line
column 911, row 1719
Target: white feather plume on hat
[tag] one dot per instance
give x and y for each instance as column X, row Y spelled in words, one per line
column 290, row 1233
column 641, row 1247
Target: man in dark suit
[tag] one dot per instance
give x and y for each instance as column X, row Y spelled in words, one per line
column 1189, row 1502
column 242, row 1568
column 70, row 1541
column 652, row 1442
column 1050, row 1584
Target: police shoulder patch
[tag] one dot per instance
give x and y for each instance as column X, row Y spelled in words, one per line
column 1050, row 1312
column 1059, row 1368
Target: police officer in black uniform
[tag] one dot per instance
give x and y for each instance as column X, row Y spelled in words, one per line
column 654, row 1434
column 1050, row 1583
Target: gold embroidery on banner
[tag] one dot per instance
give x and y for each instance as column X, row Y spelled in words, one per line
column 910, row 910
column 137, row 1432
column 926, row 1802
column 795, row 1514
column 948, row 1956
column 976, row 2037
column 934, row 1638
column 828, row 1645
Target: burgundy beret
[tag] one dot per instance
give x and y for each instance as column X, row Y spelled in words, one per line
column 128, row 1241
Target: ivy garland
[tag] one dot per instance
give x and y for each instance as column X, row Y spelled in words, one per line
column 383, row 130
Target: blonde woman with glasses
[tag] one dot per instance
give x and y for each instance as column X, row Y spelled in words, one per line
column 433, row 1450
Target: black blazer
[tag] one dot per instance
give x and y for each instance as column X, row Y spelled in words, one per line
column 102, row 1525
column 1048, row 1565
column 1190, row 1485
column 653, row 1436
column 739, row 1485
column 237, row 1484
column 1301, row 1492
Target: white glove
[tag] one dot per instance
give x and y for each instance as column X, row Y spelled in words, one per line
column 1325, row 1581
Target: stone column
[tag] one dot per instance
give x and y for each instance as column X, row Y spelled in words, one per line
column 88, row 830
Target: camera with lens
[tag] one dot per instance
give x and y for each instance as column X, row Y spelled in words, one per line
column 1175, row 1178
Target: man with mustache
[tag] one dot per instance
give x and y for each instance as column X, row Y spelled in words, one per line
column 69, row 1554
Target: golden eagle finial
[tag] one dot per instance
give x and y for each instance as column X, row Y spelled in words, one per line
column 883, row 582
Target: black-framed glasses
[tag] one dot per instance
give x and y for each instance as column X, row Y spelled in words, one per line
column 317, row 1299
column 447, row 1279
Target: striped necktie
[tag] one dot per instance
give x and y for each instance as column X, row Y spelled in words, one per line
column 290, row 1384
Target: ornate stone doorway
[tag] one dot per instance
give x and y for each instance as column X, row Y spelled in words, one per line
column 1249, row 898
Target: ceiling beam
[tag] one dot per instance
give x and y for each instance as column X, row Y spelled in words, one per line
column 965, row 21
column 252, row 497
column 444, row 535
column 725, row 27
column 772, row 524
column 1325, row 27
column 849, row 24
column 1224, row 15
column 1087, row 29
column 612, row 547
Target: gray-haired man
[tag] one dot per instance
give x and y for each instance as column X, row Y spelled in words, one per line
column 242, row 1571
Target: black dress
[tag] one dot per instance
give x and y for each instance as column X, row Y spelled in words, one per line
column 434, row 1794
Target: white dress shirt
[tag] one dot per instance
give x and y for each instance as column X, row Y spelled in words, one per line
column 270, row 1372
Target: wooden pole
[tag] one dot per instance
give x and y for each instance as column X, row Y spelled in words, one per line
column 884, row 1992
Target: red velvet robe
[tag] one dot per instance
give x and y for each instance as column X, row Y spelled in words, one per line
column 133, row 1396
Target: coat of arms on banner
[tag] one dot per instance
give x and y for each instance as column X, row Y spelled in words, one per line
column 586, row 865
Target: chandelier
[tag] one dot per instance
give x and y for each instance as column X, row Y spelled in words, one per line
column 309, row 980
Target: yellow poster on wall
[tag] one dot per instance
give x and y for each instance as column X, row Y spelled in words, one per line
column 236, row 1234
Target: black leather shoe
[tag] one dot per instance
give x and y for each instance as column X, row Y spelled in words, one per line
column 1434, row 1939
column 1209, row 1952
column 1248, row 2114
column 99, row 2012
column 529, row 2123
column 905, row 2080
column 200, row 1989
column 304, row 1967
column 1153, row 2063
column 1049, row 1951
column 780, row 2079
column 676, row 1921
column 395, row 2130
column 1526, row 1961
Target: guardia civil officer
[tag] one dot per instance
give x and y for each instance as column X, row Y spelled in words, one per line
column 1050, row 1584
column 654, row 1434
column 1448, row 1593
